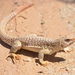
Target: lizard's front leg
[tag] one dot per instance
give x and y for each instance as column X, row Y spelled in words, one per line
column 41, row 56
column 15, row 47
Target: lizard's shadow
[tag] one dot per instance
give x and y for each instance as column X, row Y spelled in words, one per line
column 51, row 58
column 4, row 44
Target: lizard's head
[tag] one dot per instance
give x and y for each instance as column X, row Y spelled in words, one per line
column 66, row 41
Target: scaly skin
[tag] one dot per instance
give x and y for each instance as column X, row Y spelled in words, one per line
column 32, row 42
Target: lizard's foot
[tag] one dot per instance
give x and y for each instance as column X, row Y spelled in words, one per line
column 14, row 57
column 68, row 49
column 44, row 63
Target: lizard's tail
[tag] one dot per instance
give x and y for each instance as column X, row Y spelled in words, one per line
column 5, row 37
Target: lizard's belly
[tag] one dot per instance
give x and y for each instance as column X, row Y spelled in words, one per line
column 32, row 48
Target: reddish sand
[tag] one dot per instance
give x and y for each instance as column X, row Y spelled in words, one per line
column 48, row 18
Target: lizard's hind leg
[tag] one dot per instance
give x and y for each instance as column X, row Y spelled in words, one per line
column 15, row 47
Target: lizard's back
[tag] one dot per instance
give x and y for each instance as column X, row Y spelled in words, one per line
column 35, row 43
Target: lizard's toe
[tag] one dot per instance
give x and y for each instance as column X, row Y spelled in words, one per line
column 14, row 57
column 17, row 57
column 45, row 63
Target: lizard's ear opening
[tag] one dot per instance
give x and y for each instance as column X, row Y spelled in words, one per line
column 67, row 40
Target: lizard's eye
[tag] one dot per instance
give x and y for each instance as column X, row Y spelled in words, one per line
column 67, row 40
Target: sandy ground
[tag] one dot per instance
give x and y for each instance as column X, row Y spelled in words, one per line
column 48, row 18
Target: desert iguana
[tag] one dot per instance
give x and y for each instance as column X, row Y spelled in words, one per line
column 32, row 42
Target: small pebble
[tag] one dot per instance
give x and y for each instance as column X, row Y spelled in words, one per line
column 42, row 22
column 73, row 69
column 15, row 3
column 28, row 60
column 37, row 64
column 67, row 69
column 40, row 72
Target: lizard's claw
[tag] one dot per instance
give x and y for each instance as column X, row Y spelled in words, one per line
column 14, row 57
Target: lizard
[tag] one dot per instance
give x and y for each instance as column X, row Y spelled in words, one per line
column 32, row 42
